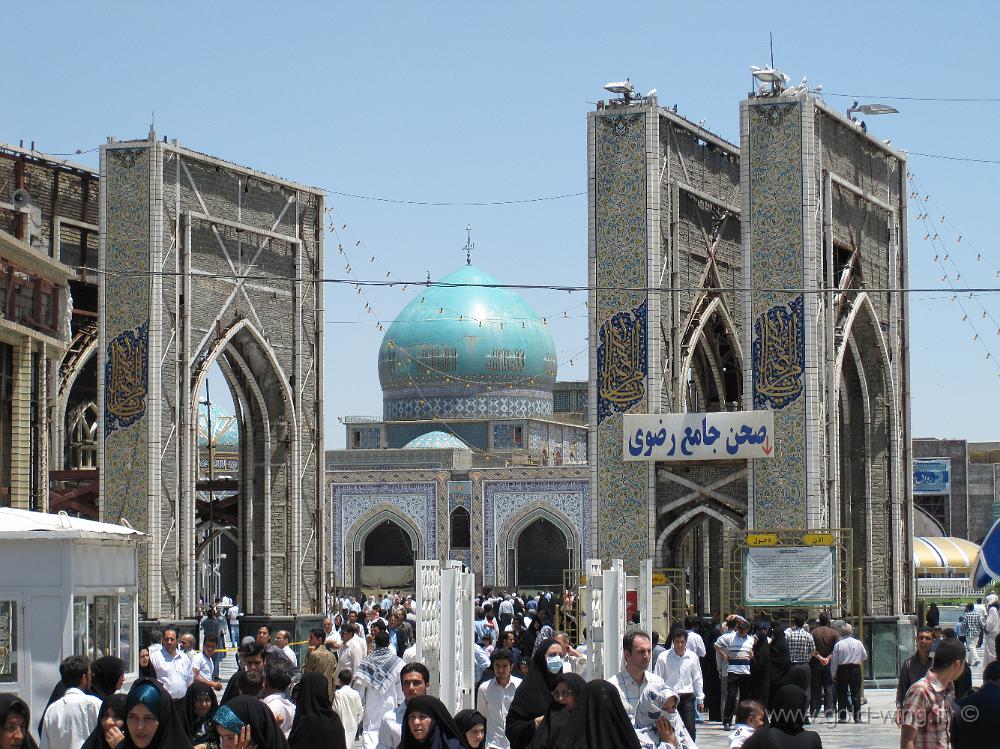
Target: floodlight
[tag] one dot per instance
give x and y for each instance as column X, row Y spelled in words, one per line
column 876, row 109
column 767, row 75
column 620, row 87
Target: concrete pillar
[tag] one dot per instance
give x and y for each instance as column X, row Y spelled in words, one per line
column 20, row 443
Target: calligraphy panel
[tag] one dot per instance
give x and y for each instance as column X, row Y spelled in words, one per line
column 775, row 257
column 125, row 311
column 619, row 269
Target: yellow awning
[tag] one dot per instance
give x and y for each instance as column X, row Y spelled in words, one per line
column 937, row 553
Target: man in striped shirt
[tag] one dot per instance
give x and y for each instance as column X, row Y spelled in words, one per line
column 736, row 650
column 638, row 652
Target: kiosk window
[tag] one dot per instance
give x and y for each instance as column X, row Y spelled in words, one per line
column 8, row 641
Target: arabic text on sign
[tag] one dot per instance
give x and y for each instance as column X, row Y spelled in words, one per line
column 689, row 436
column 762, row 539
column 818, row 539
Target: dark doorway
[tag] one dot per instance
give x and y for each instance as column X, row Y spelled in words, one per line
column 388, row 546
column 541, row 555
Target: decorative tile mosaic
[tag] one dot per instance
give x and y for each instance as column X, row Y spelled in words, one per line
column 126, row 320
column 775, row 215
column 620, row 269
column 504, row 435
column 779, row 355
column 471, row 407
column 505, row 503
column 459, row 495
column 355, row 504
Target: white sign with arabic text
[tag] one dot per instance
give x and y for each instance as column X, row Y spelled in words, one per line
column 723, row 435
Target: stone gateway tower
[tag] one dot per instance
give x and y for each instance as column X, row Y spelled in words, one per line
column 825, row 311
column 769, row 275
column 201, row 262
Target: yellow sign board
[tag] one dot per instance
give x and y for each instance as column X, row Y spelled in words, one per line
column 818, row 539
column 762, row 539
column 659, row 578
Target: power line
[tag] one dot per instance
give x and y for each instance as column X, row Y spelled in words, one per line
column 953, row 158
column 403, row 201
column 547, row 287
column 968, row 99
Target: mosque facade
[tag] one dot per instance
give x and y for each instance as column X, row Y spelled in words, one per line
column 480, row 454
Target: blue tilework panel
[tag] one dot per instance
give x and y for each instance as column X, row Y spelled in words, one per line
column 459, row 495
column 775, row 215
column 504, row 436
column 484, row 405
column 356, row 508
column 126, row 319
column 509, row 506
column 471, row 433
column 620, row 318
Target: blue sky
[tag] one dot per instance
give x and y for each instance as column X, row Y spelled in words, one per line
column 443, row 101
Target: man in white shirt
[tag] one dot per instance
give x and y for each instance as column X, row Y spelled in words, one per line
column 680, row 670
column 281, row 639
column 203, row 663
column 377, row 679
column 845, row 667
column 637, row 649
column 347, row 704
column 494, row 698
column 173, row 668
column 68, row 721
column 354, row 649
column 695, row 642
column 736, row 650
column 186, row 642
column 414, row 680
column 277, row 679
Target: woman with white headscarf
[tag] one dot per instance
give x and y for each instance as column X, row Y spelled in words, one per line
column 656, row 703
column 991, row 629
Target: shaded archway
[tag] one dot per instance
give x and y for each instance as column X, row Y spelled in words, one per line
column 542, row 553
column 386, row 557
column 868, row 490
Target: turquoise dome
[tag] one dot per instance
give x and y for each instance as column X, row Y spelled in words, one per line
column 436, row 441
column 224, row 428
column 471, row 350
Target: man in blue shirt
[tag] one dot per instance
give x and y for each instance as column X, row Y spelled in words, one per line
column 976, row 721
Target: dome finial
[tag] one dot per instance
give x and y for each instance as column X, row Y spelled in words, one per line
column 469, row 245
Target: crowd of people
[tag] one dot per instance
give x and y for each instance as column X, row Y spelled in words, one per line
column 361, row 681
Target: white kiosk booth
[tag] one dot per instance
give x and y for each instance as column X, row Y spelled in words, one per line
column 68, row 587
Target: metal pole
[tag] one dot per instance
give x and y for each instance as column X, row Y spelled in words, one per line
column 212, row 593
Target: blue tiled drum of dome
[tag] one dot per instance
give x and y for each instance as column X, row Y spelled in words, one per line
column 470, row 350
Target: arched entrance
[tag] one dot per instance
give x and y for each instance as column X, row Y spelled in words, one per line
column 385, row 558
column 541, row 553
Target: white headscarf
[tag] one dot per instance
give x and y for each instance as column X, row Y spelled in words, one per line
column 650, row 708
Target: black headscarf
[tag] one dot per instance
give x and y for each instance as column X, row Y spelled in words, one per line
column 250, row 711
column 466, row 720
column 316, row 724
column 147, row 671
column 116, row 704
column 170, row 733
column 780, row 661
column 444, row 733
column 599, row 720
column 791, row 709
column 195, row 727
column 532, row 698
column 550, row 732
column 11, row 703
column 106, row 672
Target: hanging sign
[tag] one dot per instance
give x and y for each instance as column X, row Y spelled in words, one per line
column 722, row 435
